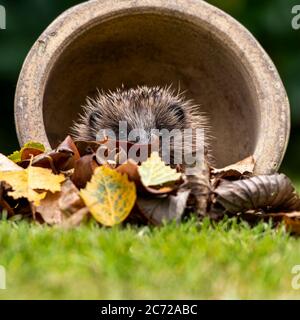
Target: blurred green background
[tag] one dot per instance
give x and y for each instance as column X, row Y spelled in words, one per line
column 268, row 20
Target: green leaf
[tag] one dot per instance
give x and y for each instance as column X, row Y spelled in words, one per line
column 154, row 172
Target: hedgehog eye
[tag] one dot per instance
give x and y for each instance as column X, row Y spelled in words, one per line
column 178, row 111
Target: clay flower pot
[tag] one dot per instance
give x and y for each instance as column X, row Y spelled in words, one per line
column 188, row 43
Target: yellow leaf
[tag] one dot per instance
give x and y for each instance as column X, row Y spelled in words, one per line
column 26, row 182
column 110, row 196
column 154, row 172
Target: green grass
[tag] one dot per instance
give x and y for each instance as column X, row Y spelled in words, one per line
column 187, row 261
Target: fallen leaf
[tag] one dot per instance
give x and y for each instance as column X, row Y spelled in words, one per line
column 3, row 203
column 87, row 147
column 68, row 147
column 110, row 196
column 63, row 158
column 154, row 172
column 70, row 200
column 8, row 165
column 131, row 169
column 29, row 150
column 76, row 219
column 241, row 169
column 159, row 210
column 49, row 209
column 57, row 207
column 25, row 183
column 245, row 165
column 294, row 214
column 292, row 225
column 268, row 192
column 200, row 186
column 84, row 170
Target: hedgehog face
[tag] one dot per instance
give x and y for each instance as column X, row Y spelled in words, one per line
column 142, row 110
column 137, row 121
column 135, row 115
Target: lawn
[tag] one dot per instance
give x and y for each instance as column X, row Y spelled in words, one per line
column 192, row 260
column 187, row 261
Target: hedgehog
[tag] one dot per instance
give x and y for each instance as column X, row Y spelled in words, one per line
column 143, row 107
column 148, row 108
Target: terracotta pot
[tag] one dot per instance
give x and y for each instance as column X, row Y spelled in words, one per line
column 188, row 43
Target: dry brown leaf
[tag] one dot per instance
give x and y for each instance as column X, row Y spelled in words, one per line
column 243, row 168
column 76, row 219
column 292, row 225
column 88, row 147
column 70, row 200
column 3, row 203
column 67, row 147
column 158, row 210
column 245, row 165
column 49, row 209
column 268, row 192
column 84, row 170
column 58, row 207
column 63, row 158
column 200, row 186
column 131, row 169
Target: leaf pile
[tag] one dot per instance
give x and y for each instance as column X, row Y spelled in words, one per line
column 72, row 183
